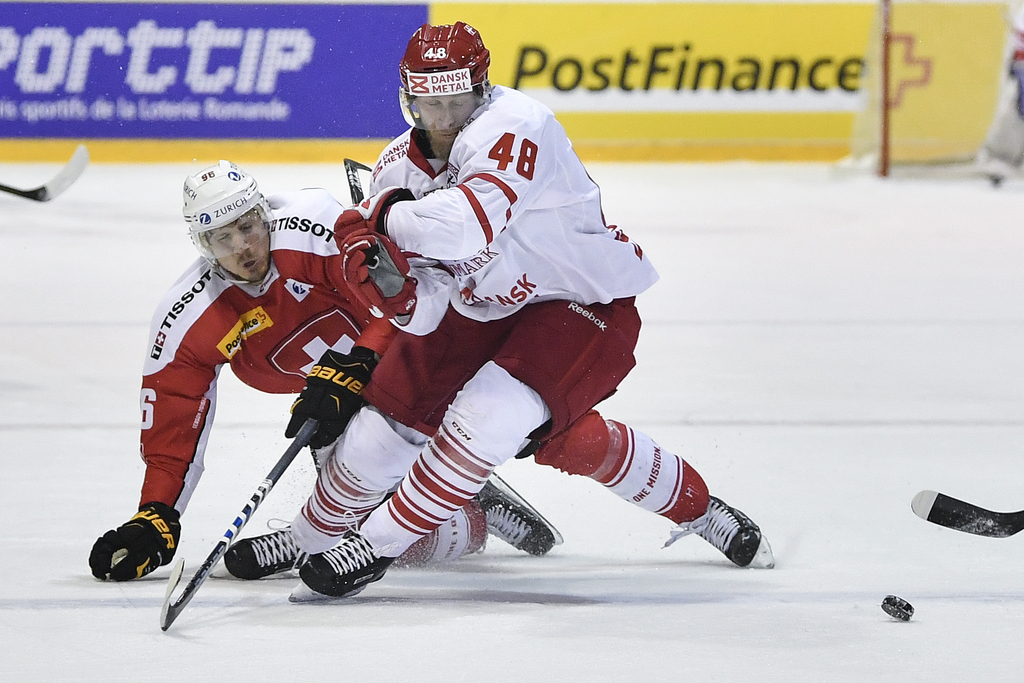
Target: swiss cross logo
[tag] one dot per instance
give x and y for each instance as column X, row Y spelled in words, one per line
column 296, row 355
column 914, row 71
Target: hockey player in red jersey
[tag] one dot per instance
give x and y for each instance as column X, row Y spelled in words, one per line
column 519, row 301
column 267, row 297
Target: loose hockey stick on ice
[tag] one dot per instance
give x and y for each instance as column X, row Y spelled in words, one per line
column 60, row 182
column 355, row 185
column 170, row 610
column 943, row 510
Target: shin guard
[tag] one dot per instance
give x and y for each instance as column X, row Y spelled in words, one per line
column 629, row 463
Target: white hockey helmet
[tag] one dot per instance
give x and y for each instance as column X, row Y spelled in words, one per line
column 218, row 196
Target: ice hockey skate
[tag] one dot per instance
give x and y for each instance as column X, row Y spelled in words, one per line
column 262, row 556
column 343, row 571
column 730, row 531
column 513, row 520
column 994, row 168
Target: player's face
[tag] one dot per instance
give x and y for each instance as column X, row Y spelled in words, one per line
column 445, row 115
column 242, row 248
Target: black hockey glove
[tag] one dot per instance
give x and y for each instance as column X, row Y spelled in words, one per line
column 137, row 547
column 332, row 394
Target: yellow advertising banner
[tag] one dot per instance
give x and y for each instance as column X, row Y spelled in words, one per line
column 724, row 80
column 947, row 66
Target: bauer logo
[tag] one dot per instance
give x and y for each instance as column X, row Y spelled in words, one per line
column 214, row 71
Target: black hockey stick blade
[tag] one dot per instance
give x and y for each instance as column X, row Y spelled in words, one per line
column 60, row 182
column 172, row 608
column 355, row 184
column 938, row 508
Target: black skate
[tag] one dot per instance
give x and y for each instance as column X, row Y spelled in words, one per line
column 730, row 531
column 513, row 520
column 260, row 556
column 344, row 570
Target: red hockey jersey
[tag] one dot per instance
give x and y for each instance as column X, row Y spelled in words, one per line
column 270, row 334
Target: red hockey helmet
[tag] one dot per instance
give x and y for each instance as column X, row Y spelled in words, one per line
column 443, row 60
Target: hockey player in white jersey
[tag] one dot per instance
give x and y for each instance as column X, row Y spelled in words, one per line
column 1002, row 153
column 487, row 242
column 266, row 297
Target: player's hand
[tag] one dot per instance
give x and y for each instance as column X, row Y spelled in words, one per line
column 137, row 547
column 377, row 275
column 369, row 215
column 332, row 394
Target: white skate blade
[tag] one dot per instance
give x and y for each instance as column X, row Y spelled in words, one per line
column 303, row 593
column 764, row 558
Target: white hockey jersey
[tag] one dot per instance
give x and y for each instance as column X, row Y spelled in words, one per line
column 1017, row 36
column 513, row 218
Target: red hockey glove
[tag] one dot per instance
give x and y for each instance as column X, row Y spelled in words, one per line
column 377, row 273
column 369, row 214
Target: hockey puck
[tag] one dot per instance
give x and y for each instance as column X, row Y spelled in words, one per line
column 897, row 608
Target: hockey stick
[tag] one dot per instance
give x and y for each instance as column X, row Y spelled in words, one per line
column 60, row 182
column 170, row 610
column 943, row 510
column 355, row 186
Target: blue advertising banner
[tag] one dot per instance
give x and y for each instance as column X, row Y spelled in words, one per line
column 124, row 70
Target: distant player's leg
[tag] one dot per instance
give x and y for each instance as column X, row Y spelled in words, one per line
column 1003, row 149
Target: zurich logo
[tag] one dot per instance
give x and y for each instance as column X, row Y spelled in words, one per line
column 234, row 175
column 204, row 219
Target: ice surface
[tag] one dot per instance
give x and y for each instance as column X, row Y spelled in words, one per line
column 820, row 347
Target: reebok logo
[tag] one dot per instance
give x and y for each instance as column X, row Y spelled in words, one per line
column 589, row 315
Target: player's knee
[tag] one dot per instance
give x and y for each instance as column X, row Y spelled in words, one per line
column 584, row 448
column 495, row 412
column 373, row 452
